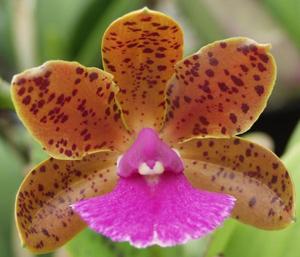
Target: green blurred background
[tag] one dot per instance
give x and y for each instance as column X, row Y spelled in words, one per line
column 34, row 31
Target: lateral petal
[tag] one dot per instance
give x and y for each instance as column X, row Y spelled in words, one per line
column 252, row 174
column 219, row 91
column 69, row 109
column 44, row 217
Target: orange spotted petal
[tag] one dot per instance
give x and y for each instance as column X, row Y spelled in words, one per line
column 69, row 109
column 252, row 174
column 140, row 50
column 219, row 91
column 44, row 217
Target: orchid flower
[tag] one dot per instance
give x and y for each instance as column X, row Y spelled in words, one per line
column 146, row 151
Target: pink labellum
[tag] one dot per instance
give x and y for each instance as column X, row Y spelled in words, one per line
column 153, row 202
column 167, row 212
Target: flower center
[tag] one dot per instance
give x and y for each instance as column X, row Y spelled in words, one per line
column 157, row 169
column 149, row 156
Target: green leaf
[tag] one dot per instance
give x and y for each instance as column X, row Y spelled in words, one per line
column 90, row 244
column 56, row 21
column 90, row 54
column 5, row 99
column 247, row 241
column 201, row 21
column 85, row 24
column 37, row 154
column 287, row 14
column 7, row 54
column 295, row 138
column 10, row 178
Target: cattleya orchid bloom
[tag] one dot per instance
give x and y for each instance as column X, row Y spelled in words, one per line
column 146, row 151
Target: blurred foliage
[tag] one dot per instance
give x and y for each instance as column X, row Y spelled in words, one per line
column 91, row 244
column 5, row 100
column 198, row 16
column 10, row 178
column 294, row 139
column 287, row 13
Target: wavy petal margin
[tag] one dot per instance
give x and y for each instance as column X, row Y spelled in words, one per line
column 252, row 174
column 69, row 109
column 44, row 218
column 140, row 49
column 219, row 91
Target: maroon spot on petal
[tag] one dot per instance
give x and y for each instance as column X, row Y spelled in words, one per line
column 274, row 179
column 223, row 130
column 203, row 120
column 160, row 55
column 233, row 117
column 111, row 68
column 126, row 60
column 256, row 77
column 165, row 27
column 253, row 47
column 161, row 48
column 43, row 168
column 236, row 141
column 259, row 89
column 46, row 233
column 147, row 50
column 132, row 45
column 41, row 103
column 252, row 202
column 223, row 44
column 222, row 86
column 40, row 187
column 261, row 67
column 128, row 23
column 21, row 91
column 264, row 58
column 237, row 81
column 187, row 99
column 149, row 61
column 244, row 68
column 213, row 61
column 209, row 73
column 241, row 158
column 161, row 67
column 74, row 92
column 21, row 81
column 111, row 97
column 77, row 81
column 245, row 108
column 155, row 24
column 79, row 70
column 149, row 18
column 248, row 152
column 187, row 63
column 93, row 76
column 26, row 100
column 68, row 153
